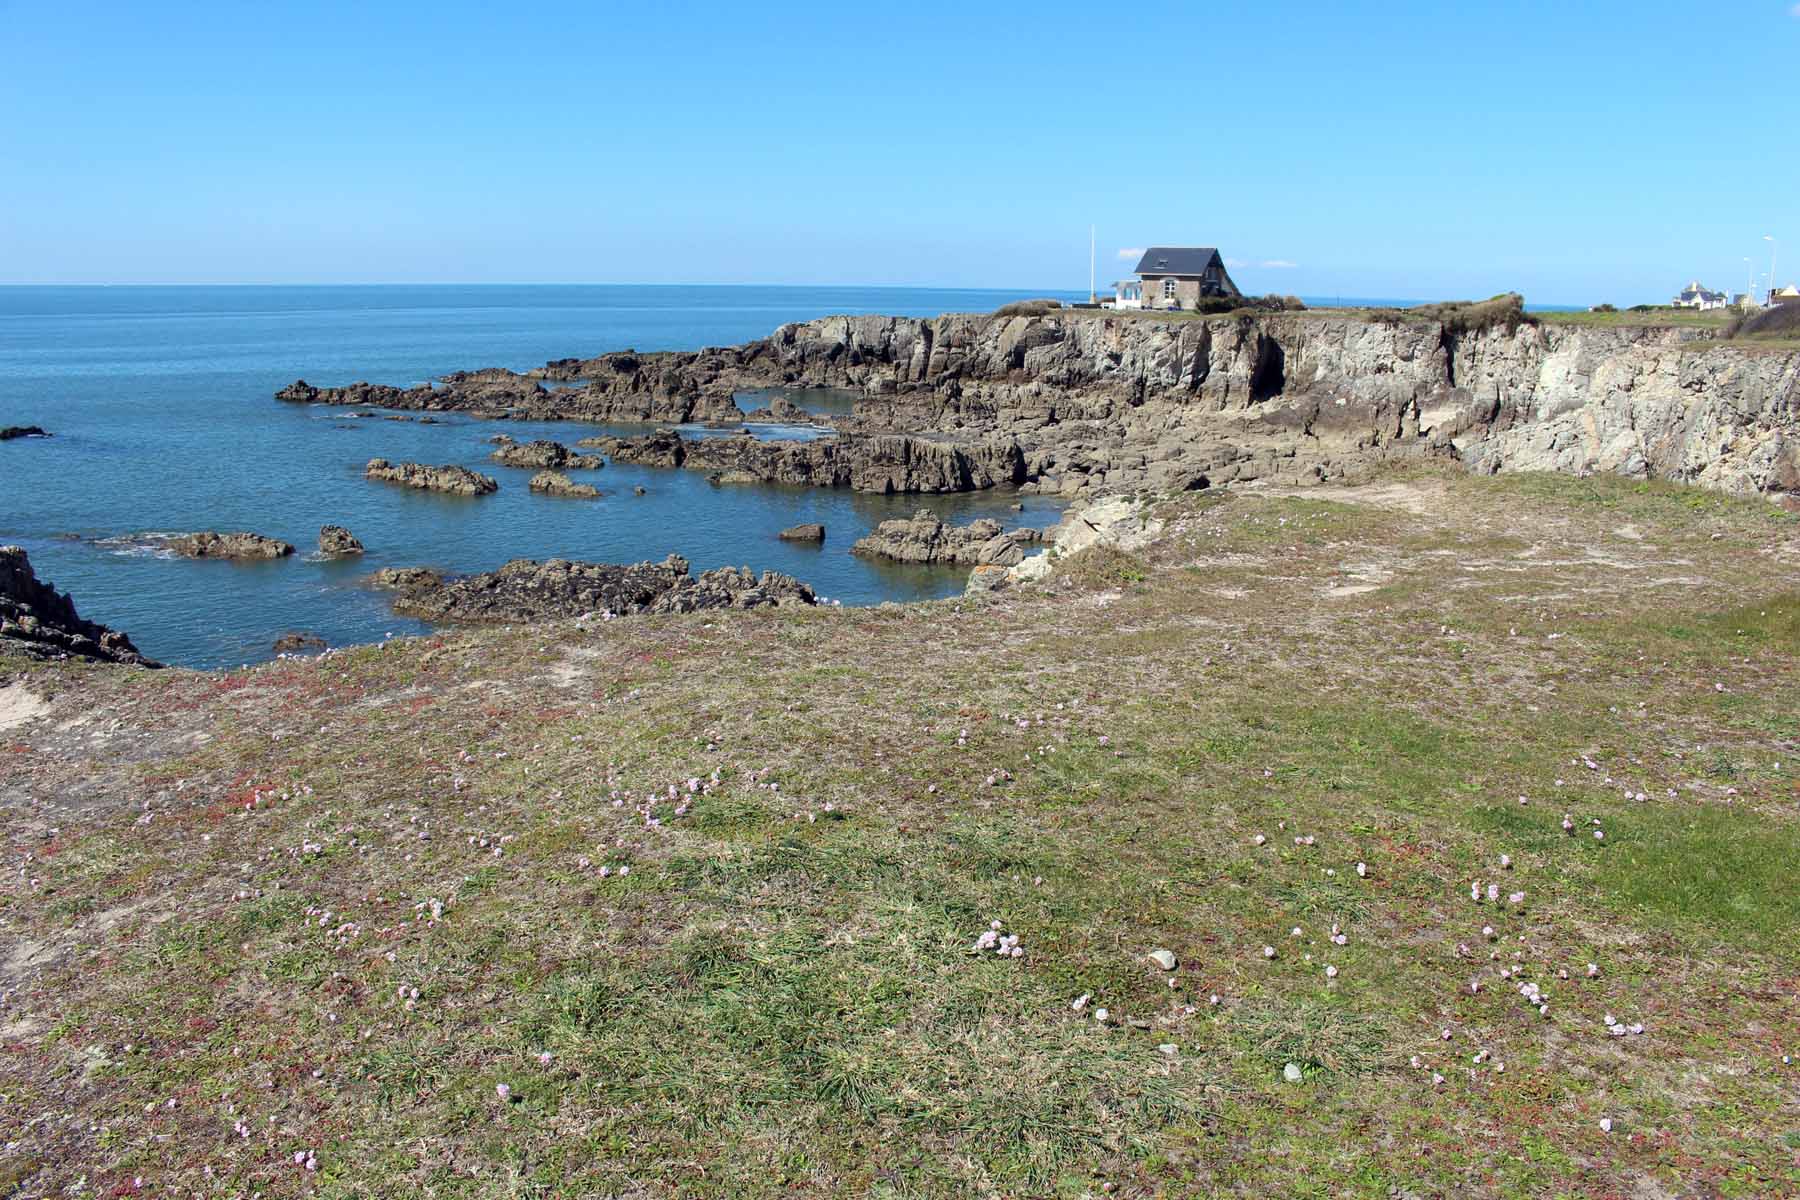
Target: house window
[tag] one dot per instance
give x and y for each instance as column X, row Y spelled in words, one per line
column 1168, row 289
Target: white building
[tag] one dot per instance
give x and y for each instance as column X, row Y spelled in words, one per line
column 1694, row 295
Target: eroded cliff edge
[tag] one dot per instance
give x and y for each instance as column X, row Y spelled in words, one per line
column 1106, row 402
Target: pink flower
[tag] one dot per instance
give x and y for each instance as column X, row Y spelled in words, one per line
column 502, row 1091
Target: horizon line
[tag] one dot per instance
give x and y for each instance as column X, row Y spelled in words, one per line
column 919, row 287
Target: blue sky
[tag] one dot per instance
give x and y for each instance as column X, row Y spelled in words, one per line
column 1577, row 152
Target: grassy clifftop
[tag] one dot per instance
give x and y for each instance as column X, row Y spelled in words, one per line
column 689, row 906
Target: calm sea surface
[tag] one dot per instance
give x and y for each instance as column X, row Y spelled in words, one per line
column 161, row 403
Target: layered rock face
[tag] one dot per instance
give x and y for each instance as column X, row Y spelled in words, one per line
column 208, row 544
column 545, row 455
column 1121, row 402
column 454, row 480
column 41, row 622
column 524, row 591
column 926, row 538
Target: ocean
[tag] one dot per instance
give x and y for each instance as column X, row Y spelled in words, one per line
column 160, row 400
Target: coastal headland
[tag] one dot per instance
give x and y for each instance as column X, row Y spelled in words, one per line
column 1077, row 403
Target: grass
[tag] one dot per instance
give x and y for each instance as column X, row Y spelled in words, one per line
column 1656, row 316
column 761, row 995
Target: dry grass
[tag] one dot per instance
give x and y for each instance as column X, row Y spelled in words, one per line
column 780, row 997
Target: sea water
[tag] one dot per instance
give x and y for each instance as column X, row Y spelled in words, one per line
column 160, row 400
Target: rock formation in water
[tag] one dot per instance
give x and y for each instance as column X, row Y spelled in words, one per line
column 298, row 643
column 209, row 544
column 555, row 483
column 405, row 579
column 545, row 455
column 524, row 590
column 926, row 538
column 41, row 622
column 9, row 432
column 457, row 481
column 811, row 532
column 780, row 410
column 336, row 540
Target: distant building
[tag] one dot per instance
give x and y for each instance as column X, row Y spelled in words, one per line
column 1696, row 296
column 1787, row 295
column 1177, row 277
column 1745, row 300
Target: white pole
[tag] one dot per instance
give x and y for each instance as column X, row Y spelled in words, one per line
column 1749, row 284
column 1770, row 238
column 1092, row 294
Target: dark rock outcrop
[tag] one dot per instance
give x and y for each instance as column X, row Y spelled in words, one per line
column 9, row 432
column 41, row 622
column 298, row 643
column 675, row 388
column 545, row 455
column 208, row 544
column 335, row 539
column 405, row 579
column 555, row 483
column 803, row 533
column 524, row 590
column 883, row 463
column 926, row 538
column 454, row 480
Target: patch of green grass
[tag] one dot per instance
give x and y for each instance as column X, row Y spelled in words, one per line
column 1724, row 875
column 1318, row 1034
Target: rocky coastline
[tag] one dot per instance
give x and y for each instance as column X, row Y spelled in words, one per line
column 1081, row 404
column 41, row 622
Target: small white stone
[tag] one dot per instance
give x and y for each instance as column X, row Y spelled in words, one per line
column 1291, row 1073
column 1163, row 958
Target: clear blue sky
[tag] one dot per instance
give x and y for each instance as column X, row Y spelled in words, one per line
column 1575, row 151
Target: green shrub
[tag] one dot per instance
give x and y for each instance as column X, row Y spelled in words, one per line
column 1604, row 308
column 1472, row 316
column 1780, row 320
column 1027, row 308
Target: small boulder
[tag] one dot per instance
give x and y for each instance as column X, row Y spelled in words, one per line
column 10, row 432
column 555, row 483
column 298, row 643
column 813, row 532
column 335, row 539
column 405, row 579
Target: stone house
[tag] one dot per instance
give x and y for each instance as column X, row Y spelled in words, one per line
column 1179, row 276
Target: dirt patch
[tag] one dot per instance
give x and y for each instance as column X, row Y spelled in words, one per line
column 18, row 705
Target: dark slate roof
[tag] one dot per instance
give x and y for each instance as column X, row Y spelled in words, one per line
column 1176, row 260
